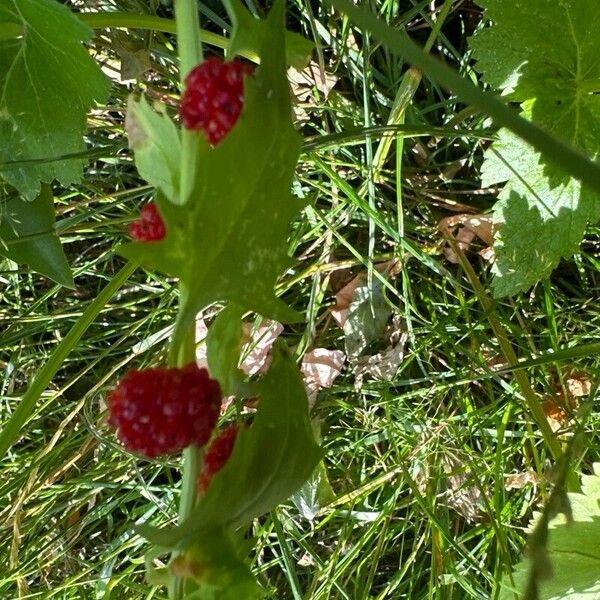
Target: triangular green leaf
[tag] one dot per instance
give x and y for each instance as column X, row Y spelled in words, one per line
column 250, row 34
column 27, row 236
column 227, row 243
column 48, row 82
column 573, row 550
column 270, row 460
column 545, row 56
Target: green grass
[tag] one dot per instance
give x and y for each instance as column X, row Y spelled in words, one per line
column 416, row 463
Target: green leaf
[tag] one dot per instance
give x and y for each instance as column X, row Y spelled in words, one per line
column 543, row 55
column 227, row 243
column 216, row 569
column 251, row 33
column 156, row 145
column 540, row 220
column 270, row 460
column 223, row 344
column 572, row 548
column 27, row 236
column 48, row 82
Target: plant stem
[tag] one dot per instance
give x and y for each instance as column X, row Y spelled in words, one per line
column 189, row 47
column 183, row 349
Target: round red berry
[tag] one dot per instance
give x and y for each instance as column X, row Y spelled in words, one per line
column 149, row 227
column 161, row 411
column 214, row 97
column 216, row 455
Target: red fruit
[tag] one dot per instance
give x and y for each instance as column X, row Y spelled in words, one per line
column 161, row 411
column 213, row 97
column 216, row 455
column 149, row 227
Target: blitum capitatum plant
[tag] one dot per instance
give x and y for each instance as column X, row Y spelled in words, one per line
column 218, row 223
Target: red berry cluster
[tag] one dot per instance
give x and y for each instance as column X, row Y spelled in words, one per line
column 161, row 411
column 149, row 227
column 213, row 97
column 216, row 455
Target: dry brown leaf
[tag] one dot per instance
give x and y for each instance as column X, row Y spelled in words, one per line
column 463, row 495
column 303, row 85
column 343, row 298
column 464, row 229
column 560, row 407
column 257, row 349
column 555, row 414
column 578, row 384
column 201, row 332
column 320, row 367
column 382, row 366
column 517, row 481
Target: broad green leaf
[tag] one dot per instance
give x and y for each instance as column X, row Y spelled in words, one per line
column 540, row 220
column 156, row 145
column 545, row 56
column 27, row 236
column 270, row 460
column 573, row 550
column 227, row 243
column 48, row 82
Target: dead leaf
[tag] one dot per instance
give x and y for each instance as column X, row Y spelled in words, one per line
column 304, row 84
column 463, row 495
column 381, row 366
column 464, row 229
column 343, row 298
column 560, row 407
column 517, row 481
column 320, row 367
column 201, row 332
column 134, row 55
column 257, row 348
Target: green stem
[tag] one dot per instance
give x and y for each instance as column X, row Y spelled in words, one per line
column 554, row 150
column 106, row 20
column 531, row 399
column 11, row 430
column 183, row 348
column 190, row 54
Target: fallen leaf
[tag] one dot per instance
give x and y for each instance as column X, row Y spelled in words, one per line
column 304, row 84
column 463, row 496
column 257, row 349
column 343, row 298
column 201, row 331
column 381, row 366
column 517, row 481
column 320, row 367
column 464, row 229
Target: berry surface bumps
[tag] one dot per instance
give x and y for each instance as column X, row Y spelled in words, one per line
column 149, row 227
column 216, row 455
column 214, row 97
column 161, row 411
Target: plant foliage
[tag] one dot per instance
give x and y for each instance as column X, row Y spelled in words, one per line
column 572, row 550
column 48, row 82
column 544, row 56
column 227, row 242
